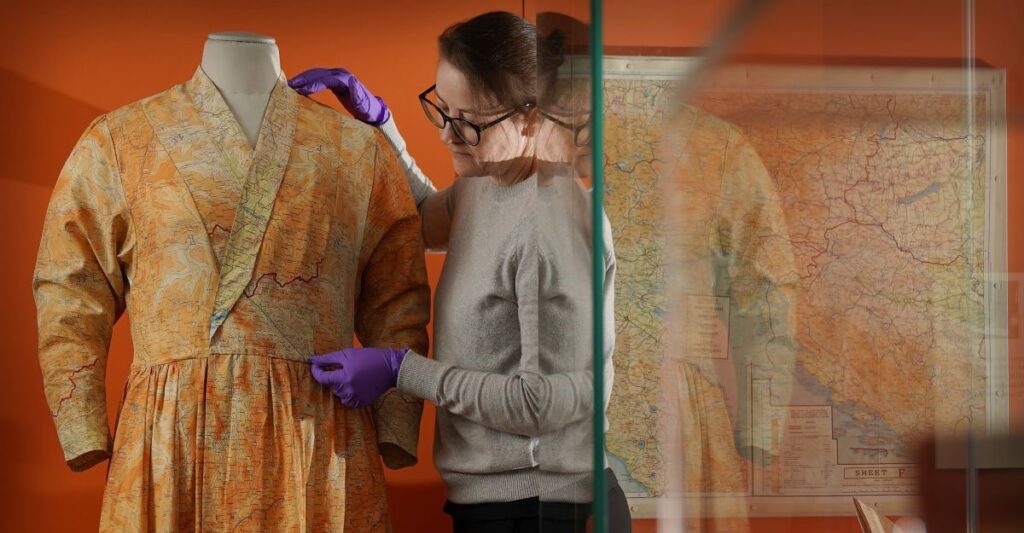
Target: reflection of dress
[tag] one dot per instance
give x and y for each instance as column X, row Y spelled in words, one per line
column 728, row 241
column 222, row 426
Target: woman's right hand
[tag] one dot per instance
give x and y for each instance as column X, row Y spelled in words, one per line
column 351, row 92
column 358, row 376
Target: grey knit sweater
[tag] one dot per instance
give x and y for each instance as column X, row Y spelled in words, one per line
column 512, row 341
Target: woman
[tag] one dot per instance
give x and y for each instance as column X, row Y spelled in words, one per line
column 510, row 377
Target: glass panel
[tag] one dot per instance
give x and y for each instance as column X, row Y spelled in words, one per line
column 809, row 209
column 568, row 256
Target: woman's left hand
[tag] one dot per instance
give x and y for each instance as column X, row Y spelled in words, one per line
column 358, row 376
column 353, row 95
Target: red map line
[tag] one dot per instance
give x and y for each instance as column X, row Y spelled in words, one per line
column 273, row 277
column 74, row 385
column 214, row 230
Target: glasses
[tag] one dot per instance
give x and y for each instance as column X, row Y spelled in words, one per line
column 469, row 132
column 580, row 132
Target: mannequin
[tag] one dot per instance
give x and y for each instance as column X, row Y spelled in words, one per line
column 244, row 67
column 203, row 213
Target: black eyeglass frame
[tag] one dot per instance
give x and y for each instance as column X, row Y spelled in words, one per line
column 574, row 129
column 446, row 118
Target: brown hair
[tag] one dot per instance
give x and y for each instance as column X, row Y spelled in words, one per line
column 498, row 52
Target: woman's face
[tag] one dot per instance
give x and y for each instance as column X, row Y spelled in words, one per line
column 556, row 144
column 504, row 148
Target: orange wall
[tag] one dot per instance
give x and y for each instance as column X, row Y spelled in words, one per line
column 61, row 65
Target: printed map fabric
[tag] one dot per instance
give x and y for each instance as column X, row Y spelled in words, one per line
column 235, row 265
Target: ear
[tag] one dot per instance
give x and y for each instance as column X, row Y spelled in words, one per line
column 530, row 122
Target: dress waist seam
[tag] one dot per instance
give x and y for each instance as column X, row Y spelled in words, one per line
column 138, row 369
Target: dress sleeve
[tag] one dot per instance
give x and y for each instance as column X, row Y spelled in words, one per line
column 393, row 307
column 79, row 286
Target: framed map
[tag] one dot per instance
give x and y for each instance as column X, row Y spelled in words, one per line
column 891, row 185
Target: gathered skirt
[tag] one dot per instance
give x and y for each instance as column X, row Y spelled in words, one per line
column 241, row 443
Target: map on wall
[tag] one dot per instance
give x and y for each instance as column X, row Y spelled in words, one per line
column 892, row 188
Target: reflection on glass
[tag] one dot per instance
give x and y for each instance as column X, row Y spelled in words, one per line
column 810, row 277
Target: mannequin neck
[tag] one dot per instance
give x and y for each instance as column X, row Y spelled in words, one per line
column 244, row 67
column 243, row 63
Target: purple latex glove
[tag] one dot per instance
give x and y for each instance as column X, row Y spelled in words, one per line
column 351, row 92
column 358, row 376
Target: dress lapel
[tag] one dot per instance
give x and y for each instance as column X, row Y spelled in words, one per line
column 211, row 154
column 259, row 191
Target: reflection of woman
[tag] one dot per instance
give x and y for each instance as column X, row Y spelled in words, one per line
column 512, row 316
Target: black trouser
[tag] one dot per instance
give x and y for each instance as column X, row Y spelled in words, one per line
column 534, row 516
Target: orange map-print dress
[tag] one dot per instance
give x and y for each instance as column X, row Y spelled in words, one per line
column 235, row 265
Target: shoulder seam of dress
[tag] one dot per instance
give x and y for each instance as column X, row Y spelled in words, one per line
column 117, row 170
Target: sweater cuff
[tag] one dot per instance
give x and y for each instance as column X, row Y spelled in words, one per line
column 420, row 376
